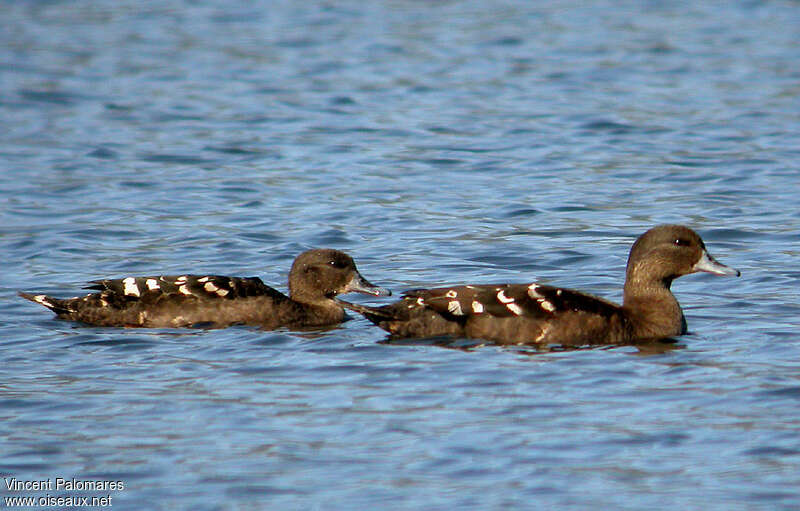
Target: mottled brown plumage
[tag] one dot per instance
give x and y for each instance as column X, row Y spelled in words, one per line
column 547, row 315
column 316, row 277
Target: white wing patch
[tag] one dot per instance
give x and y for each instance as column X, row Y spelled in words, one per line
column 477, row 307
column 152, row 284
column 533, row 292
column 503, row 298
column 130, row 288
column 516, row 309
column 548, row 306
column 454, row 307
column 509, row 303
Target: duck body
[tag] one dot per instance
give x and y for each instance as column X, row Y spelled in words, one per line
column 546, row 315
column 505, row 313
column 317, row 276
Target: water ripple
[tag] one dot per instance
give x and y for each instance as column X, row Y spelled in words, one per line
column 437, row 143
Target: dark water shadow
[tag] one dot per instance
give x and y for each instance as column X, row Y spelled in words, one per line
column 644, row 348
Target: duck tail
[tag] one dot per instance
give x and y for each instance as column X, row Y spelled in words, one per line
column 54, row 304
column 374, row 314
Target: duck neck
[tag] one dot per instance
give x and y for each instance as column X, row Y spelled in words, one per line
column 304, row 297
column 317, row 305
column 652, row 309
column 312, row 299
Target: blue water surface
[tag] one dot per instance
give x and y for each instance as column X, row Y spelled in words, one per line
column 436, row 142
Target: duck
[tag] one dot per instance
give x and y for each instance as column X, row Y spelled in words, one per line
column 544, row 315
column 212, row 301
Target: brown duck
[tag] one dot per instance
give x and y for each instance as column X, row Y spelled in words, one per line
column 316, row 277
column 546, row 315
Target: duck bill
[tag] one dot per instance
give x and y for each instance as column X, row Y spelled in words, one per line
column 711, row 265
column 359, row 284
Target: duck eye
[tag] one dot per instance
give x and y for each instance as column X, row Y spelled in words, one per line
column 681, row 242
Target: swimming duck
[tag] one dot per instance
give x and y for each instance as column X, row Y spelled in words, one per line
column 539, row 314
column 316, row 277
